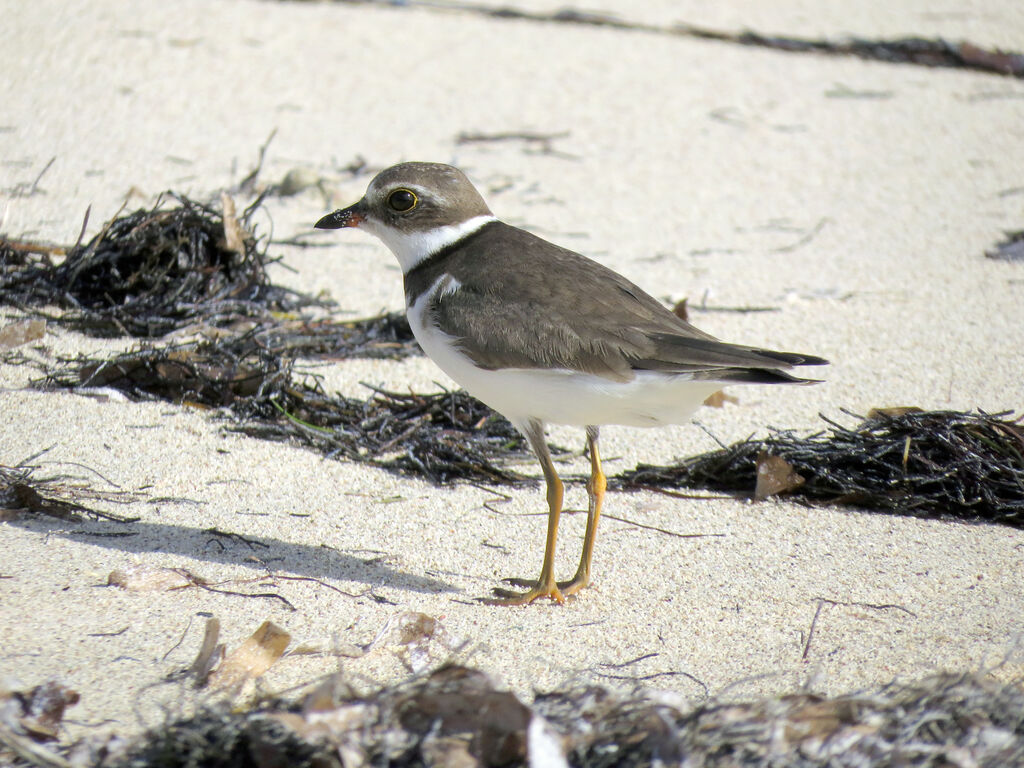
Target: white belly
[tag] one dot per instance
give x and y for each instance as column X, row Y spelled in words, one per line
column 561, row 396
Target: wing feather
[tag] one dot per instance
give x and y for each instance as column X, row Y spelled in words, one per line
column 523, row 312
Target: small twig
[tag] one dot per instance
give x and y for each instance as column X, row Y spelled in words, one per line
column 246, row 184
column 655, row 676
column 478, row 138
column 810, row 632
column 96, row 472
column 623, row 664
column 284, row 577
column 251, row 543
column 35, row 184
column 298, row 242
column 679, row 495
column 705, row 307
column 85, row 224
column 181, row 639
column 872, row 606
column 265, row 595
column 108, row 634
column 667, row 532
column 822, row 601
column 805, row 239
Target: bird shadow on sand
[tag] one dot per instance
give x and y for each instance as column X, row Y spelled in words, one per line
column 214, row 545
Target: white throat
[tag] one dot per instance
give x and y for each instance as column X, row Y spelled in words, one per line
column 410, row 248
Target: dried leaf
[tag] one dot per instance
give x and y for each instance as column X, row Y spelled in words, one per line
column 775, row 475
column 144, row 578
column 680, row 311
column 43, row 709
column 234, row 239
column 253, row 657
column 719, row 399
column 16, row 334
column 210, row 653
column 416, row 632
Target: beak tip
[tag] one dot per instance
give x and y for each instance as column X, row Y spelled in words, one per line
column 343, row 217
column 328, row 221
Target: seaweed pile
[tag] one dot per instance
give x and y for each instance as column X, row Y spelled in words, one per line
column 456, row 716
column 152, row 272
column 443, row 436
column 968, row 466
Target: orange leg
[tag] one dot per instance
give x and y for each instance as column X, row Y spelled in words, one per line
column 596, row 486
column 545, row 586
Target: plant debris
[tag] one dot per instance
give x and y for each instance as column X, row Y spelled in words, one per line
column 23, row 490
column 909, row 50
column 382, row 336
column 147, row 578
column 924, row 463
column 443, row 436
column 415, row 634
column 152, row 272
column 1009, row 249
column 943, row 720
column 251, row 659
column 457, row 716
column 21, row 332
column 28, row 718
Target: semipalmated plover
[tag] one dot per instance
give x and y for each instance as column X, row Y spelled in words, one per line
column 542, row 334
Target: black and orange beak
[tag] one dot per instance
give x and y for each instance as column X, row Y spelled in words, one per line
column 344, row 217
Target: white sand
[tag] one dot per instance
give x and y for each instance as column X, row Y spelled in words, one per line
column 857, row 196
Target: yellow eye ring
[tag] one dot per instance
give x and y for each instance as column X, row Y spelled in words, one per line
column 402, row 200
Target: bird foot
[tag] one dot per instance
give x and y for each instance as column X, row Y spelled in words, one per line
column 557, row 591
column 534, row 591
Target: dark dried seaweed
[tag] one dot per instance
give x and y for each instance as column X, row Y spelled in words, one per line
column 381, row 336
column 25, row 488
column 458, row 716
column 1010, row 248
column 968, row 466
column 442, row 436
column 152, row 272
column 918, row 51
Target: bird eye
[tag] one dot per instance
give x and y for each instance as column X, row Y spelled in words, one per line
column 402, row 200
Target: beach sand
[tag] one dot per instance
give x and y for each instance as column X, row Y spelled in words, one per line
column 858, row 198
